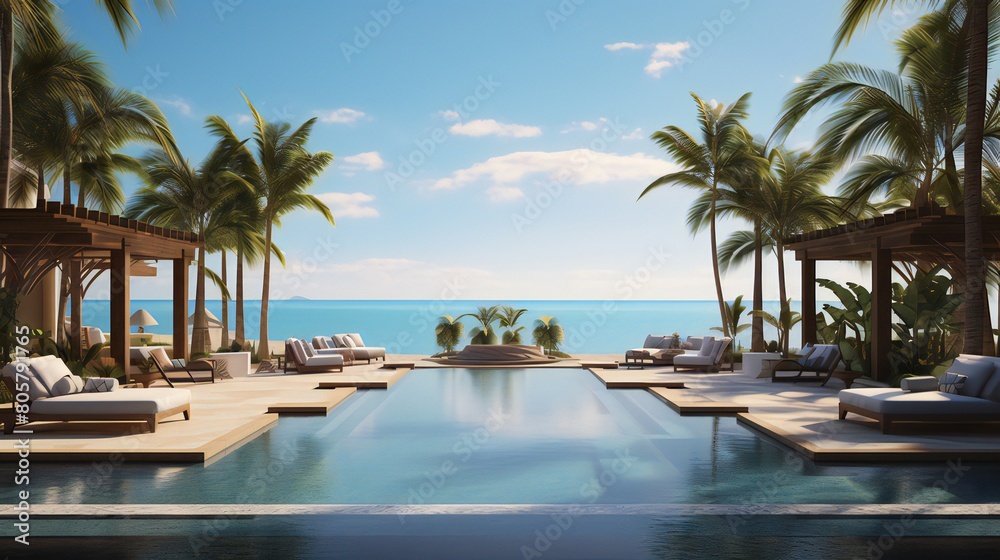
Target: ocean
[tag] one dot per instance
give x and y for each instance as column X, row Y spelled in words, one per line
column 407, row 326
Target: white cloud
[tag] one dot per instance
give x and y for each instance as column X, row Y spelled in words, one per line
column 449, row 115
column 636, row 134
column 243, row 119
column 498, row 193
column 343, row 115
column 349, row 205
column 490, row 127
column 662, row 57
column 798, row 79
column 580, row 167
column 367, row 161
column 381, row 264
column 587, row 126
column 614, row 47
column 178, row 103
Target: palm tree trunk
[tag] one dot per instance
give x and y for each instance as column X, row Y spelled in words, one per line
column 81, row 197
column 200, row 340
column 263, row 349
column 6, row 101
column 241, row 337
column 973, row 196
column 40, row 187
column 225, row 303
column 723, row 311
column 757, row 343
column 784, row 311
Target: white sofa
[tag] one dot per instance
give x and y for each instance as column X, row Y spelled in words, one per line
column 356, row 345
column 657, row 348
column 978, row 400
column 55, row 394
column 708, row 358
column 301, row 355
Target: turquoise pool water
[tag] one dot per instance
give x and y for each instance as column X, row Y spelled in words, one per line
column 516, row 441
column 533, row 436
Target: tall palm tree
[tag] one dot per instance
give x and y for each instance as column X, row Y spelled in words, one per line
column 976, row 24
column 36, row 18
column 283, row 170
column 196, row 199
column 711, row 165
column 790, row 200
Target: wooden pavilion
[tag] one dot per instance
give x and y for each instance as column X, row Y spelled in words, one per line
column 91, row 242
column 925, row 234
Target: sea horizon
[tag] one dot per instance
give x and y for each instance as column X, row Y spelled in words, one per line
column 406, row 326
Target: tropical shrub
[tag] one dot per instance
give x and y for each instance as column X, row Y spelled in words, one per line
column 734, row 312
column 484, row 333
column 783, row 323
column 548, row 334
column 508, row 319
column 449, row 333
column 928, row 337
column 848, row 326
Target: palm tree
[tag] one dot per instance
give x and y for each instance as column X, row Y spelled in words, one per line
column 282, row 171
column 449, row 333
column 195, row 199
column 36, row 18
column 790, row 200
column 735, row 313
column 548, row 333
column 709, row 166
column 484, row 333
column 508, row 320
column 976, row 25
column 783, row 323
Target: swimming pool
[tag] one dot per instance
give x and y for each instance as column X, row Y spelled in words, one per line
column 511, row 452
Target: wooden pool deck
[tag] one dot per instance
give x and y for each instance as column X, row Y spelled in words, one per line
column 224, row 415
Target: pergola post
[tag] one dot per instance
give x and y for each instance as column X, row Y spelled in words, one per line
column 808, row 301
column 181, row 305
column 881, row 318
column 121, row 263
column 76, row 308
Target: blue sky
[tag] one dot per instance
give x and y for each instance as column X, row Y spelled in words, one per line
column 529, row 191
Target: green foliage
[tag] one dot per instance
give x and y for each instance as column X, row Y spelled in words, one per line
column 927, row 334
column 848, row 326
column 508, row 319
column 448, row 333
column 783, row 323
column 484, row 332
column 734, row 312
column 9, row 332
column 548, row 334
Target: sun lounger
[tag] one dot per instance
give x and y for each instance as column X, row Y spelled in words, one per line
column 709, row 358
column 178, row 371
column 300, row 355
column 978, row 400
column 656, row 350
column 357, row 346
column 55, row 394
column 819, row 360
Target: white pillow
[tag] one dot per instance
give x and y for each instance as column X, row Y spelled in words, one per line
column 36, row 390
column 356, row 339
column 67, row 386
column 49, row 370
column 707, row 346
column 349, row 341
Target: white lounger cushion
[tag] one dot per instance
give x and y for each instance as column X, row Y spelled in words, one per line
column 36, row 390
column 897, row 401
column 325, row 360
column 125, row 401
